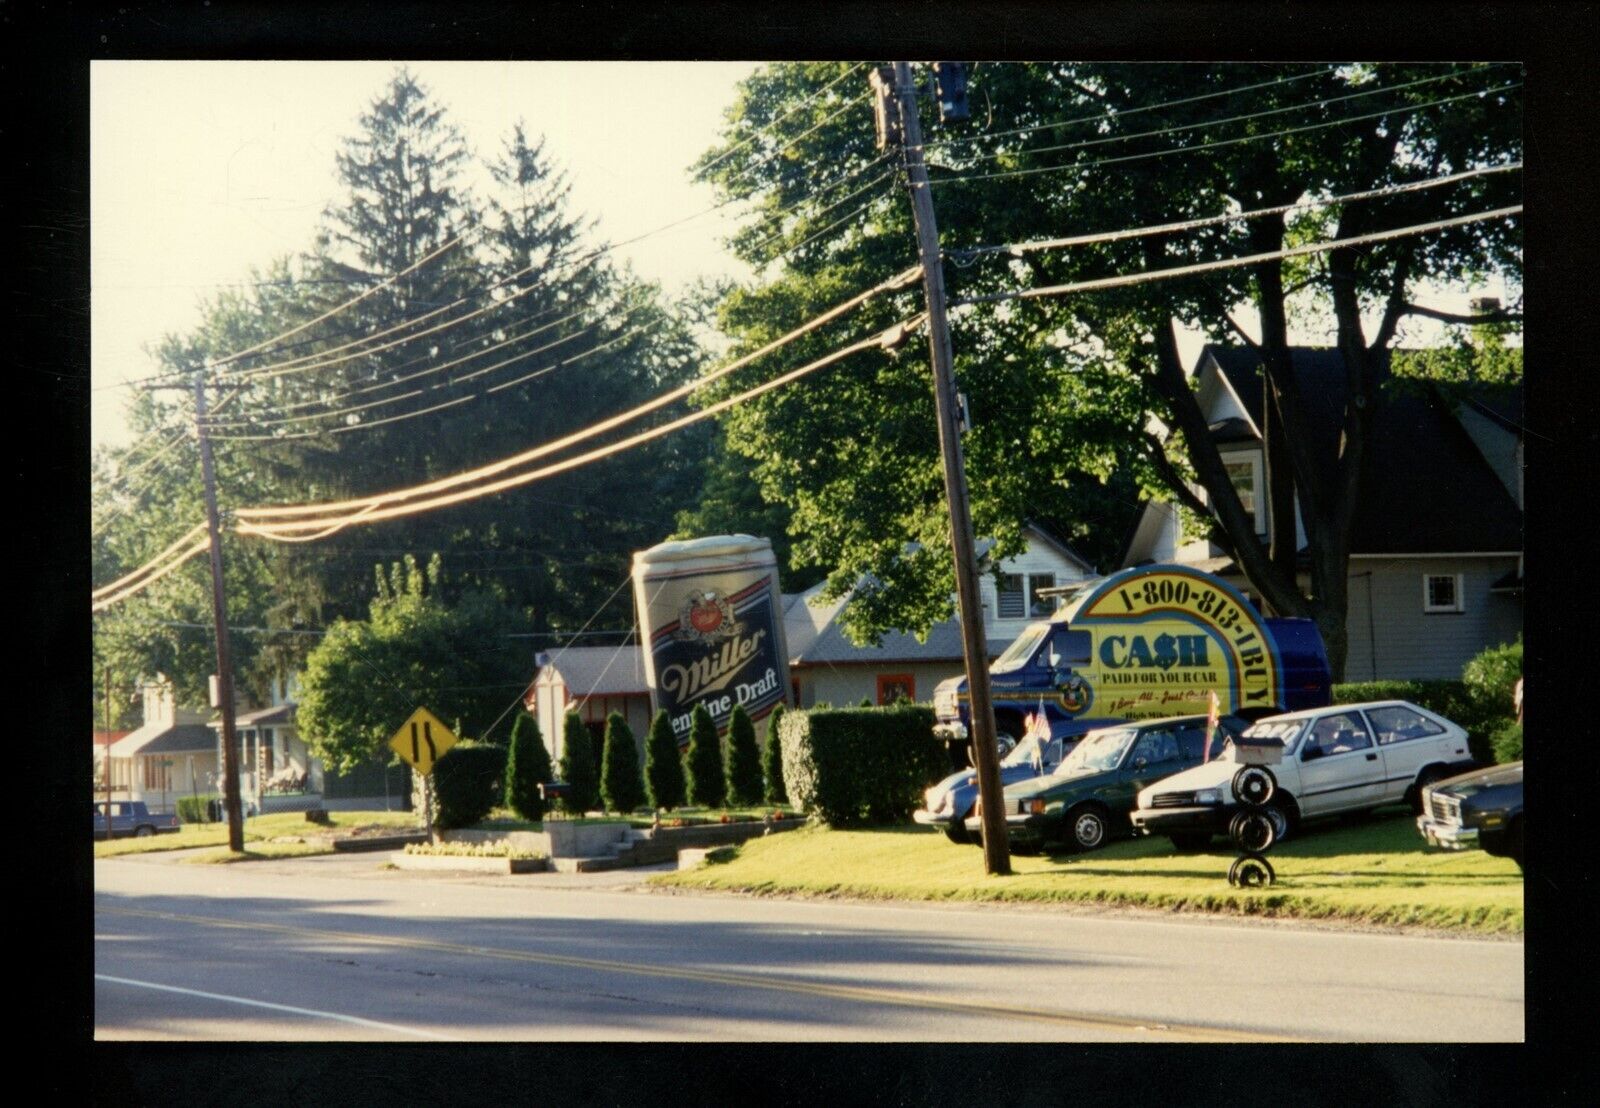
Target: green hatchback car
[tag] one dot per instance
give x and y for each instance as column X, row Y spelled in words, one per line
column 1088, row 797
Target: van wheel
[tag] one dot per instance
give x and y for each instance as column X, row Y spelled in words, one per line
column 1089, row 828
column 1004, row 743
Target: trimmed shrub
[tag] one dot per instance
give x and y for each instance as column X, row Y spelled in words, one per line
column 577, row 767
column 1491, row 677
column 702, row 768
column 1450, row 699
column 527, row 767
column 663, row 765
column 1507, row 743
column 744, row 760
column 620, row 785
column 195, row 809
column 772, row 760
column 467, row 783
column 860, row 765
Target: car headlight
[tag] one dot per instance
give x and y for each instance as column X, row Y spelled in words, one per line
column 1208, row 796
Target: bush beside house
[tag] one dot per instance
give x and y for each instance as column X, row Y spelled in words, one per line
column 663, row 765
column 527, row 767
column 578, row 767
column 745, row 786
column 707, row 787
column 860, row 765
column 772, row 761
column 620, row 785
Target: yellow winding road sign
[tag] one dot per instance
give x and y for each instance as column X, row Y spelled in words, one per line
column 422, row 740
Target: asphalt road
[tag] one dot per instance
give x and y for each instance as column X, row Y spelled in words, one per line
column 338, row 948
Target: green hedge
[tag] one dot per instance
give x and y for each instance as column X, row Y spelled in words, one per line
column 1453, row 700
column 194, row 809
column 1508, row 743
column 467, row 783
column 860, row 765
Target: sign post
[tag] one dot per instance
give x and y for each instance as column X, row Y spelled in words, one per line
column 421, row 741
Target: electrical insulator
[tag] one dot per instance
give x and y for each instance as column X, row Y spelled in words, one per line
column 950, row 82
column 885, row 112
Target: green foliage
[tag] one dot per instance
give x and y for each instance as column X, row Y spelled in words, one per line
column 1507, row 743
column 620, row 785
column 744, row 760
column 578, row 768
column 663, row 765
column 1450, row 699
column 467, row 783
column 1491, row 677
column 1061, row 390
column 703, row 762
column 416, row 647
column 527, row 767
column 195, row 809
column 772, row 760
column 860, row 765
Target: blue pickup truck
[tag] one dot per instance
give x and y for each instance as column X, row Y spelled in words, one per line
column 132, row 817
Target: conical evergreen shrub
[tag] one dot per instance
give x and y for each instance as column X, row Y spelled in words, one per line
column 772, row 761
column 578, row 768
column 527, row 767
column 703, row 764
column 744, row 760
column 620, row 785
column 663, row 765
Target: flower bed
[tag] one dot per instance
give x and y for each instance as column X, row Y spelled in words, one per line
column 493, row 857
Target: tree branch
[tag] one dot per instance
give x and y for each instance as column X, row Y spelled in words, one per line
column 1453, row 317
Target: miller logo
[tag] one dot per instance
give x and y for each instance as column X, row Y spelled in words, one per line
column 706, row 616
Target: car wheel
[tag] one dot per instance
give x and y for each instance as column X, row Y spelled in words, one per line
column 1251, row 871
column 1088, row 828
column 957, row 833
column 1285, row 816
column 1190, row 844
column 143, row 831
column 1254, row 784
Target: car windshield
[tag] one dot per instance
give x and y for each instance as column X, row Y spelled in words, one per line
column 1018, row 653
column 1099, row 750
column 1032, row 751
column 1285, row 731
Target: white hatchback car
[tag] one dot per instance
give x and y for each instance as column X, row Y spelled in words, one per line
column 1343, row 758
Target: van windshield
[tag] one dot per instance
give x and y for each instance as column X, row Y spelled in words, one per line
column 1018, row 653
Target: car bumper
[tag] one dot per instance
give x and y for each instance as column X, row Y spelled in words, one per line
column 1026, row 830
column 1210, row 819
column 942, row 820
column 1451, row 836
column 950, row 731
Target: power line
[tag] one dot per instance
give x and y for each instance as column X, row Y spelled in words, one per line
column 895, row 282
column 767, row 128
column 1017, row 248
column 1220, row 142
column 1227, row 263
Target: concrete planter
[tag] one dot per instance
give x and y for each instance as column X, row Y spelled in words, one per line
column 463, row 862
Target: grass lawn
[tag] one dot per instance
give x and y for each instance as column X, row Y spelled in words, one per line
column 255, row 828
column 260, row 851
column 1377, row 872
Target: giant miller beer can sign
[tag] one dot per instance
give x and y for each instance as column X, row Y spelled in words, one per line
column 714, row 621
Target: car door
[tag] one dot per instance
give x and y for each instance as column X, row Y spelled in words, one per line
column 1340, row 766
column 1409, row 740
column 1155, row 754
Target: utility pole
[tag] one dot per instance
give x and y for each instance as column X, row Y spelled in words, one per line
column 974, row 645
column 108, row 753
column 230, row 760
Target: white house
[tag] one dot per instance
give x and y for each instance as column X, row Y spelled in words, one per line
column 1436, row 565
column 171, row 754
column 270, row 748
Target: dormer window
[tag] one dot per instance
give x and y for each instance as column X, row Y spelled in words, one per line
column 1244, row 474
column 1017, row 596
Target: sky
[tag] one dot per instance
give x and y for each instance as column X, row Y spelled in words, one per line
column 202, row 170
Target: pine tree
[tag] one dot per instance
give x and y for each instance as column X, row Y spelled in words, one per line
column 577, row 767
column 703, row 763
column 527, row 767
column 663, row 765
column 744, row 760
column 772, row 761
column 620, row 785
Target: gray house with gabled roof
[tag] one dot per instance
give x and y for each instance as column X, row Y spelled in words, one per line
column 1436, row 563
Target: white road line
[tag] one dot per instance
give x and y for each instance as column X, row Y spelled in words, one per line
column 279, row 1007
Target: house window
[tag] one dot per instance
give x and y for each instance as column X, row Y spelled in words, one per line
column 155, row 774
column 1017, row 596
column 1441, row 592
column 896, row 686
column 1245, row 477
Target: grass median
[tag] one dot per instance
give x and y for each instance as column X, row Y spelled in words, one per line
column 256, row 829
column 1376, row 872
